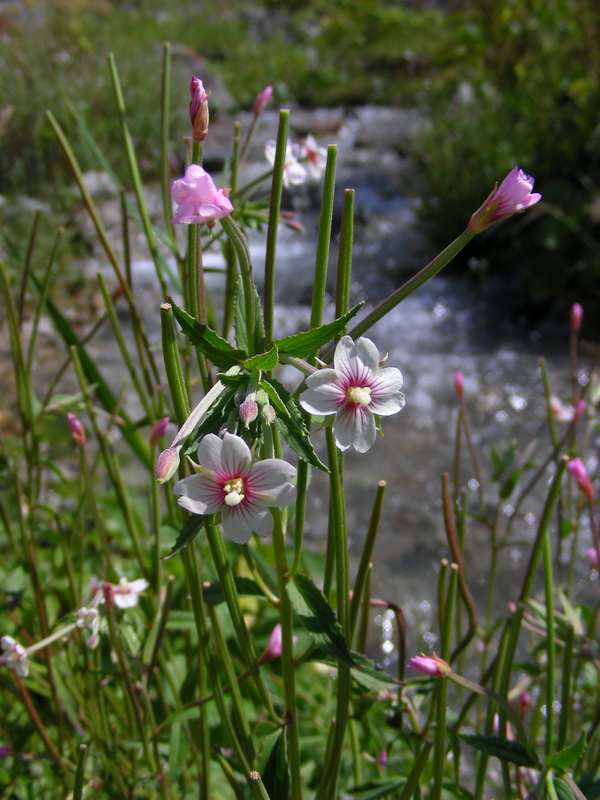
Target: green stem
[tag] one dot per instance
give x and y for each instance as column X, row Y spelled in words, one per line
column 175, row 379
column 344, row 271
column 438, row 263
column 550, row 643
column 242, row 251
column 273, row 224
column 366, row 555
column 323, row 239
column 165, row 93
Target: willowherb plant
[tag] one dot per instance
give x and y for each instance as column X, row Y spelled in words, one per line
column 210, row 675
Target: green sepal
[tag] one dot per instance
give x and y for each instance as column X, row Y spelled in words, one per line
column 187, row 534
column 317, row 616
column 213, row 346
column 290, row 423
column 308, row 343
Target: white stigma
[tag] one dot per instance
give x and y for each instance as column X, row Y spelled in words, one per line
column 359, row 394
column 234, row 492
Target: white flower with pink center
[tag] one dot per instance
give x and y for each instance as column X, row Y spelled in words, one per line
column 355, row 390
column 126, row 593
column 294, row 172
column 314, row 156
column 240, row 490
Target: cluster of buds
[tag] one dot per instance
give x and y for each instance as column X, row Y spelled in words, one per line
column 254, row 404
column 14, row 656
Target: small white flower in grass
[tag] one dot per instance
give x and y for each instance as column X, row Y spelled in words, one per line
column 126, row 593
column 355, row 390
column 294, row 173
column 241, row 490
column 14, row 656
column 314, row 156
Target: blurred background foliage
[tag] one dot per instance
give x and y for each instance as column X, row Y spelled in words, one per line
column 500, row 84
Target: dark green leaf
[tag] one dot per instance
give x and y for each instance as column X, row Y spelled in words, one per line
column 264, row 361
column 246, row 587
column 212, row 422
column 274, row 771
column 501, row 748
column 370, row 675
column 317, row 616
column 309, row 343
column 567, row 757
column 232, row 381
column 187, row 534
column 215, row 348
column 290, row 423
column 375, row 789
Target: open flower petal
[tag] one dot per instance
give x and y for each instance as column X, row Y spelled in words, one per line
column 386, row 397
column 324, row 392
column 200, row 494
column 354, row 427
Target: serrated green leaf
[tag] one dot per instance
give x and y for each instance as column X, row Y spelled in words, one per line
column 214, row 347
column 317, row 616
column 212, row 422
column 187, row 534
column 289, row 422
column 568, row 756
column 246, row 587
column 374, row 789
column 501, row 748
column 264, row 361
column 309, row 343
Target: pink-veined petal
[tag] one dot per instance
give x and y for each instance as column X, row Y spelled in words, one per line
column 200, row 494
column 325, row 392
column 354, row 425
column 269, row 474
column 386, row 397
column 280, row 496
column 357, row 361
column 209, row 452
column 239, row 522
column 236, row 458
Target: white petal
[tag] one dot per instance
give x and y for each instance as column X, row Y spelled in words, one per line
column 139, row 585
column 325, row 392
column 209, row 452
column 236, row 458
column 358, row 361
column 240, row 521
column 271, row 473
column 280, row 496
column 354, row 425
column 386, row 397
column 200, row 494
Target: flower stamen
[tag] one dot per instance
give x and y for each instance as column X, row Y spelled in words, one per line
column 361, row 395
column 234, row 492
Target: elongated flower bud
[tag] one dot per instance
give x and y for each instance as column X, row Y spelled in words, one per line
column 262, row 100
column 198, row 109
column 167, row 464
column 576, row 316
column 76, row 429
column 159, row 429
column 430, row 665
column 578, row 471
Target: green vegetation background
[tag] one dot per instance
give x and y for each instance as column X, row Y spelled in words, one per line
column 501, row 83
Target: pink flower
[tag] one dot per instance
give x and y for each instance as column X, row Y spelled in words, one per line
column 231, row 484
column 592, row 556
column 514, row 194
column 262, row 100
column 158, row 429
column 198, row 109
column 576, row 316
column 76, row 429
column 294, row 173
column 355, row 390
column 14, row 656
column 429, row 665
column 314, row 156
column 566, row 413
column 578, row 471
column 198, row 199
column 126, row 594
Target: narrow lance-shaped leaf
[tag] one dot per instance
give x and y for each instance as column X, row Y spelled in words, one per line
column 215, row 348
column 188, row 533
column 317, row 616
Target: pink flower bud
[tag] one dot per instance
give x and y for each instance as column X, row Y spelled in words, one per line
column 459, row 385
column 267, row 413
column 262, row 100
column 167, row 464
column 159, row 429
column 524, row 702
column 578, row 409
column 274, row 646
column 576, row 316
column 513, row 195
column 430, row 665
column 578, row 471
column 248, row 411
column 76, row 429
column 592, row 556
column 108, row 590
column 198, row 109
